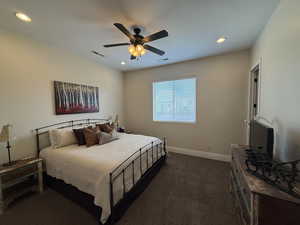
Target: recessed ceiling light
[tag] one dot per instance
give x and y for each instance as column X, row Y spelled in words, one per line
column 23, row 17
column 221, row 40
column 123, row 63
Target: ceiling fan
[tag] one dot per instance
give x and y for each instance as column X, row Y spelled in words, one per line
column 137, row 46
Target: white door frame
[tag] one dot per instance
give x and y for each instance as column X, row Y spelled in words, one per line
column 257, row 66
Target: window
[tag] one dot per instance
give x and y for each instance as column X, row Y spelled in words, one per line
column 175, row 101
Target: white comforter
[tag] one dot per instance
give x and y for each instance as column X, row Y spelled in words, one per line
column 88, row 168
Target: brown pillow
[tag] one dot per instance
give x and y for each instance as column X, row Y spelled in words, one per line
column 105, row 127
column 91, row 136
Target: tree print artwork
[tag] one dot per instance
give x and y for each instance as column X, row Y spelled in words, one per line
column 75, row 98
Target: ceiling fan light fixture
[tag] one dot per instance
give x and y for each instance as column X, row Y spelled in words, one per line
column 143, row 51
column 131, row 49
column 135, row 53
column 139, row 48
column 136, row 50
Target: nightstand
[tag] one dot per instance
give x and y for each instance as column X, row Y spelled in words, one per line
column 24, row 176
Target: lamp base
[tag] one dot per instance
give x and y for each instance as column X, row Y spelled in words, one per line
column 10, row 164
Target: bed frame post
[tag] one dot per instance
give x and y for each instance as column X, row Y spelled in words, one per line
column 37, row 142
column 165, row 145
column 152, row 151
column 141, row 168
column 111, row 198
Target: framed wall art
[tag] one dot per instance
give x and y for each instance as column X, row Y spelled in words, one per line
column 73, row 98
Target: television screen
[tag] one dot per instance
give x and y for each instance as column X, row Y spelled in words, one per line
column 261, row 138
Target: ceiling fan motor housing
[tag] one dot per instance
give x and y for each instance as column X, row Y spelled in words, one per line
column 138, row 38
column 137, row 30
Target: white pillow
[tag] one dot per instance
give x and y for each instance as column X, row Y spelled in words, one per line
column 62, row 137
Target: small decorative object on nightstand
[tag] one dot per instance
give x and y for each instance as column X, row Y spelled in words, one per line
column 18, row 179
column 123, row 130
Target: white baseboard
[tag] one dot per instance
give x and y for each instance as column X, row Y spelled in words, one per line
column 202, row 154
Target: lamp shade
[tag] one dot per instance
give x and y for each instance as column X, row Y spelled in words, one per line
column 6, row 133
column 117, row 119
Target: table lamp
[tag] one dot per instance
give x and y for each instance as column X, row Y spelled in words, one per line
column 116, row 122
column 6, row 136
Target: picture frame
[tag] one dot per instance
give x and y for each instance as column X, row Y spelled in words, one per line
column 71, row 98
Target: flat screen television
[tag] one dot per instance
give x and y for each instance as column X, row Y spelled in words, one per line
column 261, row 138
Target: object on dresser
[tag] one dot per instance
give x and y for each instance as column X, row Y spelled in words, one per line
column 297, row 188
column 284, row 176
column 261, row 138
column 6, row 136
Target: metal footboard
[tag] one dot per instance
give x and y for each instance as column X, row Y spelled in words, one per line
column 152, row 153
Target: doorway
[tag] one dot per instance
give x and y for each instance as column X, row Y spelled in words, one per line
column 254, row 96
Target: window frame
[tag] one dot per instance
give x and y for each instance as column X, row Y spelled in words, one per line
column 195, row 99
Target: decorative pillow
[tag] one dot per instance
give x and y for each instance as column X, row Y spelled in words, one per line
column 105, row 127
column 79, row 136
column 106, row 138
column 91, row 136
column 62, row 137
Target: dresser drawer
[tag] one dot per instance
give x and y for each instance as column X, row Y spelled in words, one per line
column 243, row 189
column 243, row 211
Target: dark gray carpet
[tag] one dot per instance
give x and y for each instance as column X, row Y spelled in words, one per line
column 187, row 191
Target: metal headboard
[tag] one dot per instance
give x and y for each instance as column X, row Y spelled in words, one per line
column 71, row 123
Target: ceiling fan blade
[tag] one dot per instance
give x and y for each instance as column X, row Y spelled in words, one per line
column 124, row 31
column 115, row 45
column 132, row 57
column 155, row 36
column 155, row 50
column 97, row 53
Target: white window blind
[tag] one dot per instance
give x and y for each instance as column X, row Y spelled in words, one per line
column 175, row 100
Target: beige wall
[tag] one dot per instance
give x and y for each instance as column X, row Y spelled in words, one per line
column 27, row 70
column 279, row 50
column 221, row 102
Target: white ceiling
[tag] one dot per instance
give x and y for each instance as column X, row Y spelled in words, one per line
column 193, row 25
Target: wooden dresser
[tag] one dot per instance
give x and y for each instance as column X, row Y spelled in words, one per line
column 257, row 202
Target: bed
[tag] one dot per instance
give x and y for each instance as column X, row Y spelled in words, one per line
column 104, row 179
